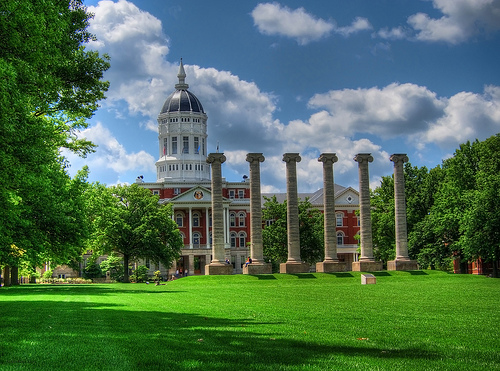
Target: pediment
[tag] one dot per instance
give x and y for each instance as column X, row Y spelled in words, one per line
column 348, row 196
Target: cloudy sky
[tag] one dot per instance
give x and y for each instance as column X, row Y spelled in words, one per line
column 358, row 76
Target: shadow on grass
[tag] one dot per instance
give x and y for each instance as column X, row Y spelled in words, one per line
column 92, row 289
column 380, row 274
column 106, row 336
column 264, row 276
column 303, row 275
column 417, row 273
column 341, row 274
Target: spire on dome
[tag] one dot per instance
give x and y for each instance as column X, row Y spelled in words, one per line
column 182, row 78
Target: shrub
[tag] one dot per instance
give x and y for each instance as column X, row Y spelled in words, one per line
column 140, row 274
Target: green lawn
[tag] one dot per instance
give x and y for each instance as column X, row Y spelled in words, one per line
column 407, row 321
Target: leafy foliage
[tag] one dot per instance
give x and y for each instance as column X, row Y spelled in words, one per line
column 275, row 237
column 49, row 85
column 128, row 220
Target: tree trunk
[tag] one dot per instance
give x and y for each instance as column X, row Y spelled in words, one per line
column 6, row 276
column 14, row 276
column 125, row 269
column 495, row 264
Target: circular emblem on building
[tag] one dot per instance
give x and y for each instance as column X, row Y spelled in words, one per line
column 198, row 195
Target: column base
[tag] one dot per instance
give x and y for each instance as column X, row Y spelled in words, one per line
column 331, row 266
column 258, row 268
column 367, row 266
column 292, row 268
column 218, row 269
column 402, row 265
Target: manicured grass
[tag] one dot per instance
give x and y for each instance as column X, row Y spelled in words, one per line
column 407, row 321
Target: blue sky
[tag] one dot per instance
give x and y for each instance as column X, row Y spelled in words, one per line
column 358, row 76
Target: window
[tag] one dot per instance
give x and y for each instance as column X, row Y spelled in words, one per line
column 203, row 147
column 196, row 239
column 185, row 144
column 196, row 145
column 340, row 219
column 174, row 145
column 242, row 239
column 241, row 193
column 156, row 193
column 196, row 220
column 233, row 239
column 340, row 238
column 147, row 263
column 165, row 146
column 231, row 194
column 241, row 219
column 232, row 220
column 178, row 219
column 177, row 191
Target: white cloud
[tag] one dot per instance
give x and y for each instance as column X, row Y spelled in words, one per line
column 359, row 24
column 397, row 109
column 461, row 20
column 110, row 154
column 467, row 116
column 273, row 19
column 137, row 46
column 396, row 33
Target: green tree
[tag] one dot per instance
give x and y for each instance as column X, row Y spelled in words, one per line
column 275, row 237
column 49, row 85
column 133, row 224
column 114, row 266
column 480, row 223
column 140, row 274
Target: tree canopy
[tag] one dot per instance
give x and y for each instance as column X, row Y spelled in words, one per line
column 49, row 85
column 128, row 220
column 452, row 210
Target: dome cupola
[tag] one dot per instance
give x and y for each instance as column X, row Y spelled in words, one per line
column 182, row 100
column 182, row 136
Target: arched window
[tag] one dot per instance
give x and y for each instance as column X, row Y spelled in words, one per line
column 196, row 239
column 179, row 217
column 233, row 239
column 196, row 220
column 232, row 219
column 242, row 237
column 339, row 217
column 340, row 238
column 241, row 219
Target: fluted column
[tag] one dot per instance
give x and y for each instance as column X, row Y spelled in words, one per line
column 402, row 261
column 366, row 261
column 217, row 266
column 364, row 206
column 328, row 159
column 331, row 262
column 258, row 265
column 293, row 263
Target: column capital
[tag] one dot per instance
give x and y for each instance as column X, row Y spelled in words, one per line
column 328, row 158
column 397, row 157
column 216, row 157
column 289, row 157
column 251, row 157
column 363, row 157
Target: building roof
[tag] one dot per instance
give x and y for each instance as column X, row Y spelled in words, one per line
column 182, row 100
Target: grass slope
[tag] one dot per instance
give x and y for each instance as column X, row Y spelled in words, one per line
column 408, row 320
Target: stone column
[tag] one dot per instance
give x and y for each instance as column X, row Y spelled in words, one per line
column 217, row 265
column 402, row 261
column 331, row 262
column 366, row 261
column 258, row 265
column 293, row 264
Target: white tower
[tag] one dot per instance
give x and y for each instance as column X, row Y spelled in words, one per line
column 182, row 136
